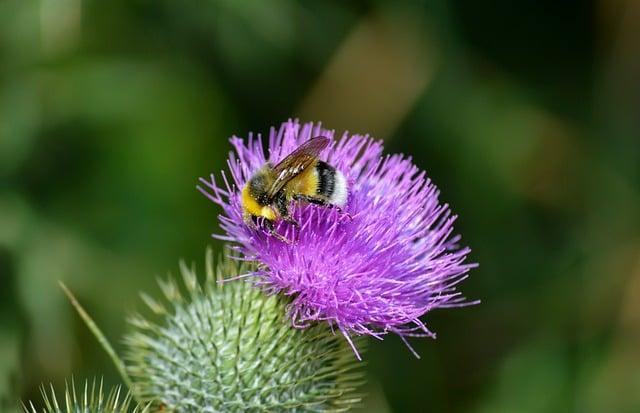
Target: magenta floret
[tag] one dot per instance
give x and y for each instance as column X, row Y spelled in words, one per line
column 374, row 268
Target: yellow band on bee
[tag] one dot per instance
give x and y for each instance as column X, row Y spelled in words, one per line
column 255, row 209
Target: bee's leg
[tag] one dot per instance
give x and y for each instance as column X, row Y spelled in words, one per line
column 248, row 220
column 291, row 220
column 320, row 201
column 312, row 200
column 283, row 210
column 272, row 230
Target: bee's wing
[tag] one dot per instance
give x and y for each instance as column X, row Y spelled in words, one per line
column 296, row 162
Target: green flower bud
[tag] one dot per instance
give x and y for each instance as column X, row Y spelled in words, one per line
column 229, row 347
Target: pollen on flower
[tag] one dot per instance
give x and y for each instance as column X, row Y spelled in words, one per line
column 375, row 266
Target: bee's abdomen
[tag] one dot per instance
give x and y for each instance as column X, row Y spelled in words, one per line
column 332, row 184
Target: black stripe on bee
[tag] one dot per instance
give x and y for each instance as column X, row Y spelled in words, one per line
column 326, row 179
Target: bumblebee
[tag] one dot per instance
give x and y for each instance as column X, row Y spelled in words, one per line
column 300, row 176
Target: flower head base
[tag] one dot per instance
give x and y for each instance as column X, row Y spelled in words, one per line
column 216, row 347
column 375, row 267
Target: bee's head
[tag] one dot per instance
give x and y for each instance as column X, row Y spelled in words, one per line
column 254, row 198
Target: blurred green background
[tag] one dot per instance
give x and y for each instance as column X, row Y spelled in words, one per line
column 524, row 113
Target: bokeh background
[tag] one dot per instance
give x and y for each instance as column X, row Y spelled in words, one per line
column 524, row 113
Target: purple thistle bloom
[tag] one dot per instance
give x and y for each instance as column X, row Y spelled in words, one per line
column 375, row 267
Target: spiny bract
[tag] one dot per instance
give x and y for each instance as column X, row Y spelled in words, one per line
column 90, row 399
column 227, row 347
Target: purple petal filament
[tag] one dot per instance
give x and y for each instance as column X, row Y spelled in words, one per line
column 377, row 266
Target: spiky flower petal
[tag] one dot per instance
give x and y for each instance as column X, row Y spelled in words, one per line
column 374, row 268
column 229, row 348
column 91, row 398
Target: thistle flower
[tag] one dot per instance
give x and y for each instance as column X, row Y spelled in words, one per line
column 90, row 399
column 377, row 266
column 229, row 348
